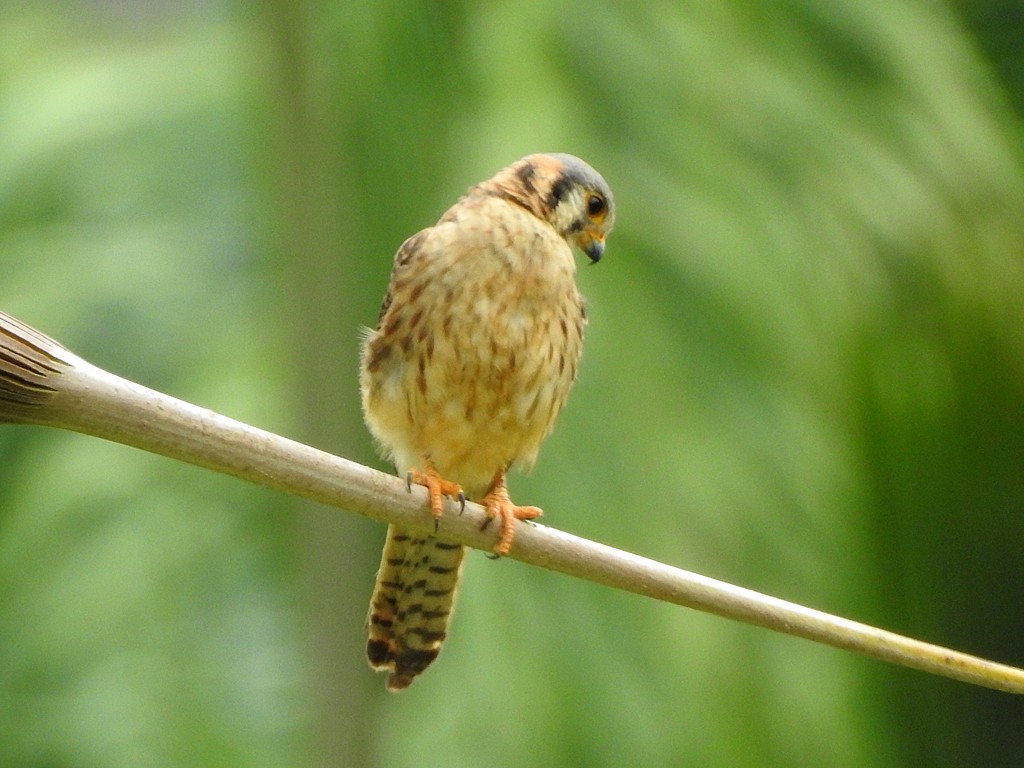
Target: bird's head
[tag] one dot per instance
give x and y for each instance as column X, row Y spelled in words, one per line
column 567, row 193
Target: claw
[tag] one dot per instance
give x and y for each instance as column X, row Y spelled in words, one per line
column 437, row 488
column 498, row 505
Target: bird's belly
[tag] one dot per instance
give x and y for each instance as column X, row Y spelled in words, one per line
column 476, row 404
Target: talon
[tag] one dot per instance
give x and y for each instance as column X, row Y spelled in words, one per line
column 437, row 488
column 462, row 502
column 408, row 481
column 498, row 505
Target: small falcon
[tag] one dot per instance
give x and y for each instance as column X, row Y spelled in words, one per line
column 474, row 355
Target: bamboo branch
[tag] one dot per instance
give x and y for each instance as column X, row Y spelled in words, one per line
column 43, row 383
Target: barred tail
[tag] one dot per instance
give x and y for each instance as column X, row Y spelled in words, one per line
column 412, row 604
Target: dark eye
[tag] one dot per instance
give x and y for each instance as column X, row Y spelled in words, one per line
column 595, row 205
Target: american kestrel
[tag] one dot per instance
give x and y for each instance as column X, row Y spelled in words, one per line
column 473, row 357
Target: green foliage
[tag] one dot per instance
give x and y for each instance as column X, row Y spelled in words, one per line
column 804, row 373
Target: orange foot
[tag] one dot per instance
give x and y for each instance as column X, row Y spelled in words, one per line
column 438, row 488
column 498, row 504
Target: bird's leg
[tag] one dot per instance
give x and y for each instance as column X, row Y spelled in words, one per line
column 437, row 487
column 498, row 504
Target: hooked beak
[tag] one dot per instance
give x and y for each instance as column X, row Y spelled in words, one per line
column 592, row 244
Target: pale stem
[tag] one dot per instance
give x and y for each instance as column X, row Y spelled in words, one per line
column 43, row 383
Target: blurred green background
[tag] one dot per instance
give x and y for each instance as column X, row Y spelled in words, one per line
column 804, row 374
